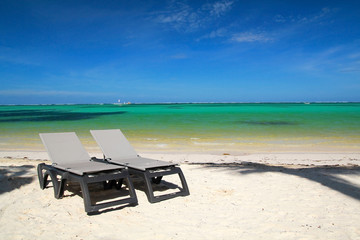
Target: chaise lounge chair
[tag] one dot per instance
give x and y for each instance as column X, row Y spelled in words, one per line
column 71, row 162
column 117, row 150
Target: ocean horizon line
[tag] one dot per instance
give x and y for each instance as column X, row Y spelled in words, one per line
column 168, row 103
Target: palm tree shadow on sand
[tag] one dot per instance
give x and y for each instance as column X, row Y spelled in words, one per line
column 328, row 176
column 14, row 177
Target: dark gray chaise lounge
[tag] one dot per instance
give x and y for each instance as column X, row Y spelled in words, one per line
column 71, row 162
column 117, row 150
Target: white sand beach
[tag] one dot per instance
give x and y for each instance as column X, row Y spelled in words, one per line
column 256, row 196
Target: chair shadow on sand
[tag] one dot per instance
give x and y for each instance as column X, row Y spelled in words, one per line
column 100, row 194
column 13, row 177
column 328, row 176
column 163, row 186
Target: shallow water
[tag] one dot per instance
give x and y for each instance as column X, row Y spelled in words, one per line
column 192, row 127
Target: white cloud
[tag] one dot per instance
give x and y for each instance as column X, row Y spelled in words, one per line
column 355, row 55
column 177, row 15
column 218, row 33
column 316, row 17
column 280, row 18
column 221, row 7
column 311, row 18
column 183, row 17
column 251, row 37
column 337, row 59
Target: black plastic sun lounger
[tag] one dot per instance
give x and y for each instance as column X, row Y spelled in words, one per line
column 117, row 150
column 71, row 162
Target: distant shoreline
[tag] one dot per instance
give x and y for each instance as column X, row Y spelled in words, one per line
column 170, row 103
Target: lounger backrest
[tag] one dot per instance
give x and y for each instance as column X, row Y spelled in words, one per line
column 114, row 144
column 64, row 148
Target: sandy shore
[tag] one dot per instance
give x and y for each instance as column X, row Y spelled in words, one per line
column 257, row 196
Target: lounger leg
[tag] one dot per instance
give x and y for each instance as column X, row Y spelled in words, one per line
column 41, row 176
column 56, row 184
column 185, row 191
column 85, row 194
column 60, row 177
column 148, row 187
column 149, row 179
column 90, row 208
column 61, row 188
column 43, row 179
column 131, row 190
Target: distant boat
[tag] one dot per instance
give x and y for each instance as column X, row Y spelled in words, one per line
column 119, row 103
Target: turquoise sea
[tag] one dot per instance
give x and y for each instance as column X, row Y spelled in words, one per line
column 218, row 128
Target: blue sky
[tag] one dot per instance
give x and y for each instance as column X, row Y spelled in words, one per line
column 179, row 51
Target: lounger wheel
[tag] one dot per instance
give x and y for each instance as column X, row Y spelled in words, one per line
column 156, row 180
